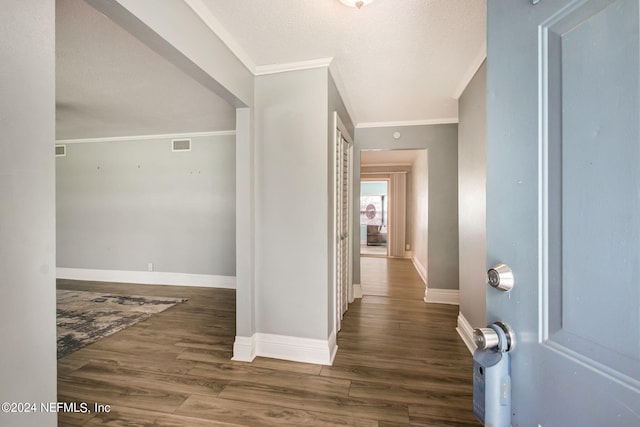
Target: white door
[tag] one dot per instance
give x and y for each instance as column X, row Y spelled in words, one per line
column 343, row 246
column 563, row 205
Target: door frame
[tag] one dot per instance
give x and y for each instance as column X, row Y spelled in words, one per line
column 380, row 179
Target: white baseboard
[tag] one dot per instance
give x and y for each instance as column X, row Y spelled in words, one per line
column 421, row 269
column 147, row 277
column 442, row 296
column 244, row 349
column 465, row 330
column 306, row 350
column 357, row 290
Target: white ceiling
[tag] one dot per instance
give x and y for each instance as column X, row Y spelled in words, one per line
column 395, row 61
column 398, row 60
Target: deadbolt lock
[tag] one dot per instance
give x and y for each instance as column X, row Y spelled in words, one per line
column 501, row 277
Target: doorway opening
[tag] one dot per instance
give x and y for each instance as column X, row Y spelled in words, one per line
column 374, row 217
column 401, row 212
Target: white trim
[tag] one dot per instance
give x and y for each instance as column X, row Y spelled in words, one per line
column 205, row 14
column 357, row 290
column 262, row 70
column 146, row 137
column 442, row 296
column 442, row 121
column 147, row 277
column 421, row 269
column 465, row 330
column 296, row 349
column 305, row 350
column 473, row 69
column 244, row 349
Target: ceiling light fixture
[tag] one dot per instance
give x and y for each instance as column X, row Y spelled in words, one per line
column 356, row 3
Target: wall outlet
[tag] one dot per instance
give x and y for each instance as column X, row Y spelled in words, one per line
column 150, row 266
column 407, row 247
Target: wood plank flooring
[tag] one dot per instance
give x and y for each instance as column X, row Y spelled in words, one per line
column 399, row 363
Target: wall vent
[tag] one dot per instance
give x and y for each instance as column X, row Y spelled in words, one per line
column 180, row 145
column 61, row 150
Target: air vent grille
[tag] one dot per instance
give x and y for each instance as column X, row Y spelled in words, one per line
column 180, row 145
column 61, row 150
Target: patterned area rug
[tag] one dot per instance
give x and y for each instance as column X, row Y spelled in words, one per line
column 85, row 317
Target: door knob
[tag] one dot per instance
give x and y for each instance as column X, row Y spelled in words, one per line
column 496, row 335
column 501, row 277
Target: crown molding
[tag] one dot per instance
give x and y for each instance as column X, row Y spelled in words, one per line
column 443, row 121
column 262, row 70
column 145, row 137
column 204, row 13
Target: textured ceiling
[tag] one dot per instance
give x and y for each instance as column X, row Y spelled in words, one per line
column 110, row 84
column 398, row 60
column 395, row 61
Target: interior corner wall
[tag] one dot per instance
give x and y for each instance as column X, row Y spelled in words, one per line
column 27, row 209
column 472, row 199
column 442, row 143
column 122, row 205
column 292, row 196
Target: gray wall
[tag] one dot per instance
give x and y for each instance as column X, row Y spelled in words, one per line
column 442, row 143
column 292, row 196
column 472, row 193
column 122, row 205
column 27, row 208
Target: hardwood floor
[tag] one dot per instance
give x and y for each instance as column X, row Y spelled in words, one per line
column 366, row 250
column 399, row 363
